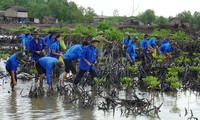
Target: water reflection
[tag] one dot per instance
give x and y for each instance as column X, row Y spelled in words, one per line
column 14, row 106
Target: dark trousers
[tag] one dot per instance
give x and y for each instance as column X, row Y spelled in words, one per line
column 81, row 73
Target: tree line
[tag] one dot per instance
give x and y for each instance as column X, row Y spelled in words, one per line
column 149, row 17
column 66, row 11
column 61, row 9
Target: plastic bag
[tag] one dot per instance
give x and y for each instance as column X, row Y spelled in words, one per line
column 61, row 59
column 154, row 54
column 62, row 45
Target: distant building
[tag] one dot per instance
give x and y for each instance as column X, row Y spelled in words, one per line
column 2, row 17
column 174, row 21
column 99, row 18
column 177, row 23
column 133, row 22
column 48, row 20
column 17, row 14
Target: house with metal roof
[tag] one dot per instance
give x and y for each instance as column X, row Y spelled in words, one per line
column 17, row 14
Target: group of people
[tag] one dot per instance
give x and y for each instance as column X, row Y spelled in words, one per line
column 147, row 46
column 47, row 65
column 86, row 52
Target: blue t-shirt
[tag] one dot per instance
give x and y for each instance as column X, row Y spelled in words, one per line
column 89, row 53
column 48, row 41
column 12, row 63
column 131, row 51
column 25, row 40
column 37, row 47
column 127, row 42
column 166, row 48
column 48, row 63
column 165, row 40
column 144, row 44
column 152, row 42
column 55, row 46
column 74, row 52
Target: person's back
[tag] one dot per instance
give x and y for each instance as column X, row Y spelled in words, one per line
column 45, row 66
column 152, row 42
column 144, row 45
column 47, row 62
column 165, row 40
column 12, row 63
column 74, row 52
column 166, row 48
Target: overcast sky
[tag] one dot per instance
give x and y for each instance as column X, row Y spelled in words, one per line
column 125, row 7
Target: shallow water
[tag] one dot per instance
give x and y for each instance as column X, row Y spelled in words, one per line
column 14, row 106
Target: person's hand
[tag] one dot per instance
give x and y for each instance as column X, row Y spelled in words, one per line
column 95, row 62
column 23, row 61
column 89, row 64
column 38, row 52
column 131, row 62
column 61, row 54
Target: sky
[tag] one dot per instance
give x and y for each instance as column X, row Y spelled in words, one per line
column 164, row 8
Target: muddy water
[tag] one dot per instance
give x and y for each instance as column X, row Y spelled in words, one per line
column 16, row 106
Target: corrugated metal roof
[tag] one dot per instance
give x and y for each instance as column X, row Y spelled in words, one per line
column 19, row 9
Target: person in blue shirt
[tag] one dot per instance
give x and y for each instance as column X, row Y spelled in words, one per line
column 166, row 50
column 45, row 66
column 127, row 39
column 49, row 39
column 144, row 43
column 152, row 42
column 131, row 51
column 55, row 47
column 87, row 61
column 166, row 39
column 25, row 40
column 37, row 46
column 72, row 54
column 12, row 64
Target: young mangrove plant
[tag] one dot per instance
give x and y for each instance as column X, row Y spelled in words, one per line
column 126, row 82
column 172, row 77
column 152, row 82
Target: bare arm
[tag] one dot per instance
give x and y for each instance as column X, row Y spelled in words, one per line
column 57, row 54
column 13, row 76
column 106, row 41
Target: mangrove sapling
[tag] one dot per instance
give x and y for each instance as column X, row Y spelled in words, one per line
column 126, row 82
column 99, row 81
column 172, row 77
column 152, row 82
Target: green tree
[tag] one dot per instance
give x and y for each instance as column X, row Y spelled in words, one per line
column 4, row 4
column 161, row 20
column 196, row 19
column 38, row 11
column 75, row 14
column 185, row 16
column 147, row 17
column 104, row 25
column 89, row 14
